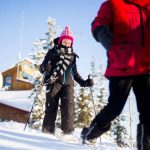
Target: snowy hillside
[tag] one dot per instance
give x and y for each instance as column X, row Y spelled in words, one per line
column 13, row 137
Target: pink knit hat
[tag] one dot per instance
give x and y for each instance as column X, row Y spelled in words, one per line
column 66, row 34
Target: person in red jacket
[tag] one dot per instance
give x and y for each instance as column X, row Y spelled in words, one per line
column 123, row 28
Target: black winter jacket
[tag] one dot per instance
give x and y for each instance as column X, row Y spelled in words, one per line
column 49, row 64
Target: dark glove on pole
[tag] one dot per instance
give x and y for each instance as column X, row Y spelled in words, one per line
column 87, row 83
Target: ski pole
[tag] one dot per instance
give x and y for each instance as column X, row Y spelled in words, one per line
column 28, row 118
column 30, row 111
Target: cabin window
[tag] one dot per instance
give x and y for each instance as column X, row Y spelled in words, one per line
column 8, row 81
column 27, row 76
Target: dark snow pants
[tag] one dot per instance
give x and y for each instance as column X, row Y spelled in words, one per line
column 66, row 95
column 119, row 88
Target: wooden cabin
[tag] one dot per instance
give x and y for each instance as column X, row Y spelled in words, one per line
column 15, row 105
column 19, row 76
column 11, row 113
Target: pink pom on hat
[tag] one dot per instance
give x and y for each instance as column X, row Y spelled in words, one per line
column 66, row 34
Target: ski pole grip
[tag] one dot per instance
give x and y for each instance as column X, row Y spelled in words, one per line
column 89, row 76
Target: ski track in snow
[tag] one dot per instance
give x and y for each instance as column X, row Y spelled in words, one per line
column 12, row 137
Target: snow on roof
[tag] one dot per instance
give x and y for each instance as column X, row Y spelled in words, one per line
column 17, row 99
column 28, row 59
column 22, row 60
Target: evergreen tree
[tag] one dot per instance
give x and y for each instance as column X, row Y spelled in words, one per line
column 98, row 90
column 38, row 92
column 120, row 132
column 38, row 95
column 84, row 109
column 76, row 100
column 95, row 96
column 94, row 90
column 101, row 96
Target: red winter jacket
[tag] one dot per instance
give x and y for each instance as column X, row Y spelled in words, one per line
column 129, row 22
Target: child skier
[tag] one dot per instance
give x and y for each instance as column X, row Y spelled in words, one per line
column 60, row 64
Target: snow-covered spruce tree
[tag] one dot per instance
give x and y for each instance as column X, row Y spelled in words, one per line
column 38, row 92
column 95, row 89
column 84, row 108
column 102, row 95
column 119, row 132
column 77, row 108
column 98, row 90
column 38, row 95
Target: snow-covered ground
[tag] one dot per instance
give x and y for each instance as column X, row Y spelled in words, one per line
column 13, row 137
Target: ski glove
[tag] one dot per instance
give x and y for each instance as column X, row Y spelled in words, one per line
column 103, row 35
column 45, row 67
column 87, row 83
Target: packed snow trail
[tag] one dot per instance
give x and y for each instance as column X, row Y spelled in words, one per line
column 32, row 140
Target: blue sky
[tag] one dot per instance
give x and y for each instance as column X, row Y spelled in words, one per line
column 78, row 14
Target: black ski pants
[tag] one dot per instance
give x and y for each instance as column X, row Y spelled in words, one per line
column 119, row 88
column 66, row 95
